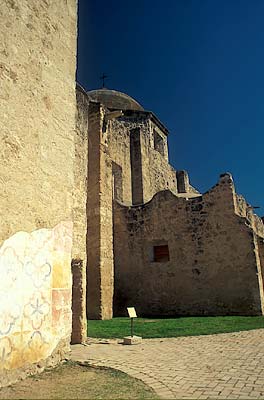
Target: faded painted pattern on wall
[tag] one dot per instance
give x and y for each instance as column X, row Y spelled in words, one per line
column 35, row 294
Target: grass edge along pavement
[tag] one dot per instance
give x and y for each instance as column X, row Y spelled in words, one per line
column 172, row 327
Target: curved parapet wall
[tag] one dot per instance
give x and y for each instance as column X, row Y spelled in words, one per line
column 209, row 259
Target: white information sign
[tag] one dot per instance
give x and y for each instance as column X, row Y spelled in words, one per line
column 131, row 312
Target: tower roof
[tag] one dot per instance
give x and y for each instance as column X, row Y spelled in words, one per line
column 114, row 99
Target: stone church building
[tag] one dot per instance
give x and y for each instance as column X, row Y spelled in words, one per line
column 153, row 241
column 93, row 216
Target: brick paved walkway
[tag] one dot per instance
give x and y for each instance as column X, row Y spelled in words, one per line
column 224, row 366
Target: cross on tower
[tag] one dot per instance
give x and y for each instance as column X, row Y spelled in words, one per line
column 103, row 79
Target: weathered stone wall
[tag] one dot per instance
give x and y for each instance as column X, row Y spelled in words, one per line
column 259, row 253
column 118, row 140
column 99, row 213
column 244, row 209
column 122, row 155
column 212, row 267
column 37, row 123
column 79, row 323
column 155, row 131
column 37, row 113
column 161, row 174
column 156, row 173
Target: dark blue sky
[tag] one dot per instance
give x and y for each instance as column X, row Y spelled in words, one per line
column 199, row 66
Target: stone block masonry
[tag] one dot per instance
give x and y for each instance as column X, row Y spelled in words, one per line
column 213, row 265
column 38, row 105
column 100, row 228
column 152, row 239
column 37, row 125
column 145, row 170
column 79, row 254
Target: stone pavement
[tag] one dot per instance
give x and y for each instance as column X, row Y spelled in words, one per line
column 223, row 366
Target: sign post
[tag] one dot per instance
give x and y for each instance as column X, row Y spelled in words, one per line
column 132, row 339
column 132, row 333
column 132, row 314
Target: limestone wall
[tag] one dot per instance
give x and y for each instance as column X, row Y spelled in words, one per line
column 156, row 173
column 245, row 210
column 212, row 267
column 118, row 139
column 37, row 123
column 37, row 59
column 79, row 255
column 99, row 216
column 161, row 174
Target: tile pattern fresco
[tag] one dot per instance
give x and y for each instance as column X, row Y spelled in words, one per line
column 35, row 294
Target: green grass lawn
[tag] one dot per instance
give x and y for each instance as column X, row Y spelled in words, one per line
column 172, row 327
